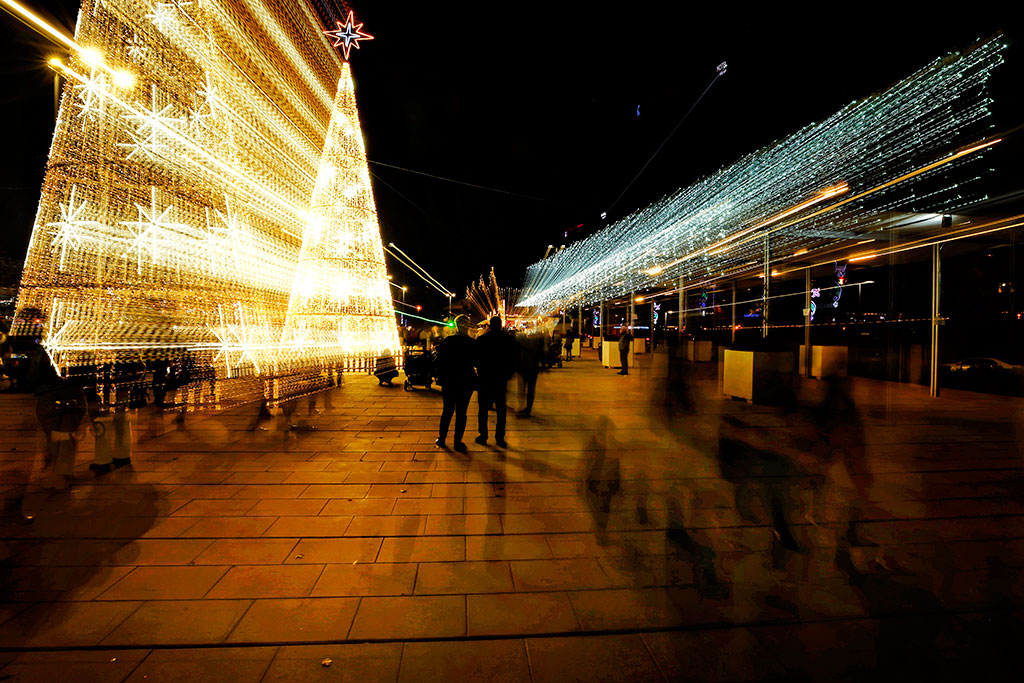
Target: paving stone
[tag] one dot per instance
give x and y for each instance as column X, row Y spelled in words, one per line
column 81, row 666
column 592, row 658
column 335, row 550
column 230, row 551
column 517, row 547
column 178, row 622
column 358, row 506
column 350, row 663
column 227, row 527
column 217, row 665
column 429, row 549
column 323, row 526
column 480, row 660
column 164, row 583
column 296, row 620
column 463, row 577
column 366, row 579
column 439, row 616
column 266, row 581
column 65, row 624
column 520, row 613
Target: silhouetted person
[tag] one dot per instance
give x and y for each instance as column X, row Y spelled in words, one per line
column 531, row 349
column 625, row 340
column 496, row 357
column 456, row 376
column 570, row 338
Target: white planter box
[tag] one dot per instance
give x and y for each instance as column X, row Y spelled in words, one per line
column 610, row 353
column 757, row 376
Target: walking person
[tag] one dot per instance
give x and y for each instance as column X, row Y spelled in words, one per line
column 496, row 356
column 625, row 341
column 531, row 348
column 570, row 339
column 457, row 378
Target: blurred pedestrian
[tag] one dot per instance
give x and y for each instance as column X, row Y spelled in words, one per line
column 457, row 378
column 496, row 357
column 60, row 407
column 625, row 342
column 531, row 349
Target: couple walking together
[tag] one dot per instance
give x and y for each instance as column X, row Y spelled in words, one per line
column 486, row 364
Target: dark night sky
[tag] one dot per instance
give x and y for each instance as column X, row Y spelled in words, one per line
column 542, row 102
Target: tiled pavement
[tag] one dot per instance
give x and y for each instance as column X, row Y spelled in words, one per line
column 589, row 550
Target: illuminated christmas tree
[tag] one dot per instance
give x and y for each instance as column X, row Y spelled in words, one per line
column 174, row 212
column 341, row 298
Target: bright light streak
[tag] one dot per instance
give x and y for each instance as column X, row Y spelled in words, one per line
column 179, row 218
column 788, row 191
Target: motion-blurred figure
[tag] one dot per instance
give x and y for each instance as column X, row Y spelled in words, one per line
column 60, row 407
column 531, row 350
column 602, row 479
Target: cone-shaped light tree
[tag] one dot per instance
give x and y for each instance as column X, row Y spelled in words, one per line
column 341, row 298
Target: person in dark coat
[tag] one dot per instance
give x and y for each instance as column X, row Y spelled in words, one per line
column 497, row 355
column 457, row 378
column 570, row 339
column 625, row 339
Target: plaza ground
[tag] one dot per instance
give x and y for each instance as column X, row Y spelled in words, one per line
column 590, row 549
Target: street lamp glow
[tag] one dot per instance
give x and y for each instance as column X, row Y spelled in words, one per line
column 91, row 57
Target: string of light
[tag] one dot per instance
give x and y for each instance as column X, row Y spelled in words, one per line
column 828, row 184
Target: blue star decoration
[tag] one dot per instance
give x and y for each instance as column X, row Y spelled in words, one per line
column 348, row 34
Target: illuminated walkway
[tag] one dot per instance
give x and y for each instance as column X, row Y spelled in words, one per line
column 361, row 543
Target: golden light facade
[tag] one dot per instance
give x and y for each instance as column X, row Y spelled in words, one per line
column 207, row 193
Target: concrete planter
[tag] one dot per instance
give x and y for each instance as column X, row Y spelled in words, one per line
column 826, row 361
column 610, row 353
column 698, row 351
column 757, row 376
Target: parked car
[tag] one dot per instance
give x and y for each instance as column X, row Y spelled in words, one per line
column 985, row 374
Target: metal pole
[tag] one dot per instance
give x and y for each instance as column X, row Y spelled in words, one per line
column 933, row 380
column 807, row 323
column 56, row 95
column 732, row 327
column 632, row 310
column 600, row 321
column 681, row 314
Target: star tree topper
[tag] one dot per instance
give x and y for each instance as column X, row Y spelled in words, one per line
column 348, row 34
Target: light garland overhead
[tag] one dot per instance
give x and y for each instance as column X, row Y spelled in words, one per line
column 830, row 183
column 207, row 194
